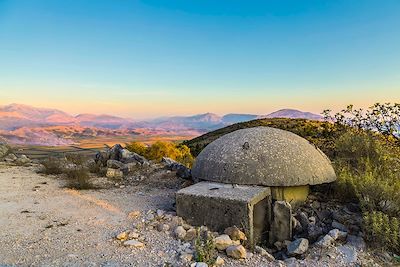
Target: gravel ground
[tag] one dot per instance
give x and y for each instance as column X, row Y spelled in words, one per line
column 44, row 224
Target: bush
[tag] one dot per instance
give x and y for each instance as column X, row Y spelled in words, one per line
column 76, row 158
column 78, row 178
column 137, row 147
column 52, row 165
column 160, row 149
column 382, row 230
column 205, row 250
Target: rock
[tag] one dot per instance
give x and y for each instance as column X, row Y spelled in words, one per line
column 326, row 241
column 114, row 164
column 180, row 232
column 134, row 157
column 186, row 257
column 235, row 233
column 101, row 157
column 114, row 173
column 314, row 232
column 291, row 262
column 10, row 158
column 134, row 243
column 281, row 228
column 297, row 247
column 199, row 264
column 134, row 214
column 303, row 219
column 133, row 235
column 219, row 261
column 123, row 236
column 4, row 150
column 356, row 241
column 191, row 234
column 264, row 253
column 181, row 170
column 163, row 227
column 222, row 242
column 349, row 253
column 236, row 252
column 338, row 225
column 336, row 234
column 115, row 152
column 23, row 160
column 160, row 213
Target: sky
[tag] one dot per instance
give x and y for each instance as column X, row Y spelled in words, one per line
column 153, row 58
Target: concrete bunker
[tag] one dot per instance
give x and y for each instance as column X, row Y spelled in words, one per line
column 248, row 170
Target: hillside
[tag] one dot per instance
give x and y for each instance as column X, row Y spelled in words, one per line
column 314, row 131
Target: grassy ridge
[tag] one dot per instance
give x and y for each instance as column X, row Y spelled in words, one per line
column 319, row 133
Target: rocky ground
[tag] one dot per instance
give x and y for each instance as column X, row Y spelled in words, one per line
column 129, row 220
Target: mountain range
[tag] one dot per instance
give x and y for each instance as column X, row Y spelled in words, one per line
column 27, row 124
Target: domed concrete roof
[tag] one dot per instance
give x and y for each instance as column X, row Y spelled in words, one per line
column 263, row 156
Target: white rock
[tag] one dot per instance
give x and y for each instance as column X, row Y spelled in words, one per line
column 222, row 242
column 134, row 243
column 199, row 264
column 180, row 232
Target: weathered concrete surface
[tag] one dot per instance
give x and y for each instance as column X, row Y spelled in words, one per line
column 263, row 156
column 219, row 206
column 281, row 229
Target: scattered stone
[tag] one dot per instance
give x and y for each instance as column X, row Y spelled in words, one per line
column 264, row 253
column 114, row 173
column 291, row 262
column 338, row 225
column 134, row 214
column 133, row 235
column 23, row 160
column 123, row 236
column 356, row 241
column 297, row 247
column 326, row 241
column 180, row 232
column 349, row 254
column 160, row 213
column 314, row 232
column 219, row 261
column 190, row 234
column 134, row 243
column 163, row 227
column 236, row 252
column 10, row 158
column 235, row 233
column 337, row 234
column 186, row 257
column 199, row 264
column 222, row 242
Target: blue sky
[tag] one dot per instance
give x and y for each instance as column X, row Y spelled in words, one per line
column 152, row 58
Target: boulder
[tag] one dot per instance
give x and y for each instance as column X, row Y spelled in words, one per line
column 181, row 170
column 235, row 233
column 338, row 225
column 10, row 158
column 236, row 252
column 222, row 242
column 115, row 152
column 114, row 164
column 356, row 241
column 297, row 247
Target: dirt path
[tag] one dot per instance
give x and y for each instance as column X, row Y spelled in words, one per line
column 43, row 224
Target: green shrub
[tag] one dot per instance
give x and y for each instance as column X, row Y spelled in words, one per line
column 52, row 165
column 137, row 147
column 382, row 230
column 205, row 250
